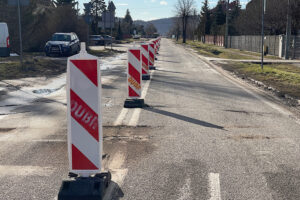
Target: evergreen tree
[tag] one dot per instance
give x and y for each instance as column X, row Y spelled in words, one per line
column 119, row 32
column 128, row 18
column 233, row 16
column 72, row 3
column 97, row 7
column 219, row 18
column 127, row 23
column 205, row 20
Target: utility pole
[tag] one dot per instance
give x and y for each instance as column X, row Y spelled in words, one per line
column 288, row 31
column 262, row 32
column 227, row 28
column 20, row 35
column 111, row 32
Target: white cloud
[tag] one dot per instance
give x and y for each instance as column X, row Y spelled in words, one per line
column 163, row 3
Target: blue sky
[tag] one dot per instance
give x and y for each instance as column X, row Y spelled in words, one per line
column 151, row 9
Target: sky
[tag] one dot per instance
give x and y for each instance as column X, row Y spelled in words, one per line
column 151, row 9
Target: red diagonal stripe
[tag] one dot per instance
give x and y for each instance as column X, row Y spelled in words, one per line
column 144, row 72
column 151, row 55
column 145, row 60
column 136, row 53
column 152, row 45
column 88, row 68
column 132, row 93
column 145, row 46
column 84, row 115
column 134, row 73
column 80, row 161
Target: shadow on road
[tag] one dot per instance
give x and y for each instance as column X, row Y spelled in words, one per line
column 115, row 192
column 169, row 61
column 161, row 70
column 184, row 118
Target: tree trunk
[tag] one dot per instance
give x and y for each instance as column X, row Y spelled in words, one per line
column 184, row 29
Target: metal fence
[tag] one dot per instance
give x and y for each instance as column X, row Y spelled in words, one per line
column 274, row 44
column 253, row 43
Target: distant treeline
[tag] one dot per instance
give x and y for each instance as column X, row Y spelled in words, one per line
column 247, row 21
column 40, row 20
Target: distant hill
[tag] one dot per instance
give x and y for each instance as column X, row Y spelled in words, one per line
column 163, row 25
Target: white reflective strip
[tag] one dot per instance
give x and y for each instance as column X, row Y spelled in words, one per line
column 135, row 62
column 84, row 87
column 86, row 143
column 145, row 53
column 151, row 49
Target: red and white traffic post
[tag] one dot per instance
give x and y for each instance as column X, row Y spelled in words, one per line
column 134, row 79
column 85, row 139
column 151, row 56
column 145, row 61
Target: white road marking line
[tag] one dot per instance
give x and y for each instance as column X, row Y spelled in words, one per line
column 214, row 186
column 136, row 113
column 135, row 117
column 185, row 191
column 121, row 117
column 11, row 170
column 146, row 87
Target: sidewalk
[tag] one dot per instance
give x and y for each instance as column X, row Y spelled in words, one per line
column 256, row 61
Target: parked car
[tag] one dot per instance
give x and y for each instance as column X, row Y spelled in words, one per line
column 64, row 44
column 96, row 40
column 137, row 37
column 4, row 40
column 108, row 39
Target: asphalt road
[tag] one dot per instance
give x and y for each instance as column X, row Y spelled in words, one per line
column 203, row 136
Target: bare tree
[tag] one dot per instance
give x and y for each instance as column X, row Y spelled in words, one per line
column 184, row 9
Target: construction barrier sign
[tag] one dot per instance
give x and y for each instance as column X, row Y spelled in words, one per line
column 84, row 114
column 151, row 54
column 145, row 59
column 134, row 73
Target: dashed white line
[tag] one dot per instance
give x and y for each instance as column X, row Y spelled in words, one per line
column 121, row 117
column 214, row 186
column 146, row 87
column 136, row 113
column 185, row 191
column 135, row 117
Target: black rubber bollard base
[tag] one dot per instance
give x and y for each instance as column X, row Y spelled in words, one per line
column 134, row 103
column 152, row 68
column 146, row 77
column 91, row 188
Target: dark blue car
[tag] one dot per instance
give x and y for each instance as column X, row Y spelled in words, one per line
column 63, row 44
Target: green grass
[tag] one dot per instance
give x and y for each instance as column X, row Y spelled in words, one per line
column 214, row 51
column 285, row 78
